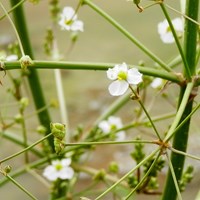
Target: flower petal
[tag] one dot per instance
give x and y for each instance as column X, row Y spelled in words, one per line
column 77, row 26
column 104, row 126
column 134, row 76
column 118, row 88
column 66, row 173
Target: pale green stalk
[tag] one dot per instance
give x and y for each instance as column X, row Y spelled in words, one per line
column 62, row 104
column 18, row 4
column 180, row 111
column 127, row 174
column 15, row 30
column 20, row 187
column 143, row 178
column 174, row 177
column 25, row 149
column 110, row 142
column 127, row 34
column 148, row 70
column 185, row 154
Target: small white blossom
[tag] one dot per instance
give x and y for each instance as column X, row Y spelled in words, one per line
column 122, row 77
column 12, row 57
column 112, row 124
column 166, row 33
column 157, row 83
column 59, row 169
column 68, row 20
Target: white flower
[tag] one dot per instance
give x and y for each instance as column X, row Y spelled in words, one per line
column 68, row 20
column 122, row 77
column 166, row 33
column 12, row 57
column 157, row 83
column 59, row 169
column 112, row 124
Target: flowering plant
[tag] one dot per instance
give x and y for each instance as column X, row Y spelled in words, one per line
column 88, row 153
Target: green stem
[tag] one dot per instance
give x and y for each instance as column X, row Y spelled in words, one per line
column 144, row 178
column 181, row 136
column 127, row 34
column 110, row 142
column 93, row 66
column 33, row 78
column 146, row 112
column 25, row 149
column 17, row 140
column 182, row 108
column 21, row 187
column 174, row 177
column 188, row 73
column 128, row 174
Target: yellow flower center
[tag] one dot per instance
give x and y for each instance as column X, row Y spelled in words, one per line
column 68, row 22
column 58, row 167
column 122, row 75
column 168, row 29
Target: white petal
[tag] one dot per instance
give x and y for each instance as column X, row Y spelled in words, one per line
column 66, row 173
column 178, row 24
column 12, row 57
column 118, row 88
column 134, row 76
column 122, row 67
column 157, row 82
column 104, row 126
column 162, row 27
column 115, row 121
column 167, row 38
column 112, row 73
column 68, row 13
column 66, row 162
column 120, row 136
column 50, row 173
column 77, row 26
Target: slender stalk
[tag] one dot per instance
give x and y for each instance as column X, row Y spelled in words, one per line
column 17, row 140
column 110, row 142
column 33, row 78
column 127, row 34
column 144, row 178
column 61, row 99
column 148, row 70
column 127, row 174
column 26, row 149
column 176, row 40
column 183, row 104
column 181, row 136
column 174, row 177
column 20, row 187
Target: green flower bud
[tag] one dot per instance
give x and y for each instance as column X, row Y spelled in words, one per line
column 100, row 175
column 24, row 102
column 41, row 130
column 58, row 130
column 113, row 167
column 7, row 169
column 25, row 61
column 18, row 118
column 59, row 145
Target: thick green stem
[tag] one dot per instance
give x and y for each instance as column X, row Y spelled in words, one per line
column 33, row 78
column 181, row 136
column 148, row 70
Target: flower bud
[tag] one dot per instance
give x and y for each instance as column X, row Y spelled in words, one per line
column 58, row 145
column 58, row 130
column 25, row 61
column 7, row 169
column 41, row 130
column 18, row 118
